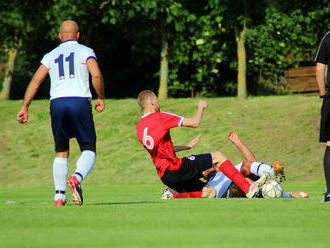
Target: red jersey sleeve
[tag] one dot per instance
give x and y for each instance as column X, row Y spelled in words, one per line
column 171, row 120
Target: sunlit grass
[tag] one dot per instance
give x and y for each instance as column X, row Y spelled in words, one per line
column 283, row 128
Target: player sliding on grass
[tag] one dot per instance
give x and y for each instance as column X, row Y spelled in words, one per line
column 220, row 186
column 153, row 131
column 69, row 66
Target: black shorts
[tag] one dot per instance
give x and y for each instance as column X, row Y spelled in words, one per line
column 325, row 120
column 187, row 177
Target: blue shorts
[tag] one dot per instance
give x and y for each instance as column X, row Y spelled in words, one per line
column 72, row 117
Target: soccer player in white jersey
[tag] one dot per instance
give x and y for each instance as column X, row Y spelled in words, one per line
column 69, row 66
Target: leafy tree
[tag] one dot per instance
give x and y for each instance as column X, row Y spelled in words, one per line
column 11, row 31
column 284, row 40
column 239, row 16
column 20, row 20
column 161, row 14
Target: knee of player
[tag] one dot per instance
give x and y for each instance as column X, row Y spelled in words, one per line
column 87, row 147
column 218, row 157
column 209, row 192
column 213, row 193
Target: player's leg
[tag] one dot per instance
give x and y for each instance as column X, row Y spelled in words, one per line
column 325, row 137
column 60, row 164
column 187, row 177
column 221, row 183
column 84, row 130
column 258, row 169
column 60, row 173
column 85, row 133
column 326, row 166
column 300, row 194
column 207, row 192
column 231, row 172
column 84, row 166
column 85, row 162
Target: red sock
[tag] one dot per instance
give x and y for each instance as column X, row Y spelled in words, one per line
column 195, row 194
column 230, row 171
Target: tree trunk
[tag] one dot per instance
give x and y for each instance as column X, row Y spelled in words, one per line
column 4, row 94
column 241, row 56
column 163, row 78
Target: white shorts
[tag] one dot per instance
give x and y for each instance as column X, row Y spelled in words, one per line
column 221, row 182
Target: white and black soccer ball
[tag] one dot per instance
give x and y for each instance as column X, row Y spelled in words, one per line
column 272, row 189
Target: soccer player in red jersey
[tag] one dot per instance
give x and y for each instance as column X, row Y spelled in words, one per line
column 182, row 175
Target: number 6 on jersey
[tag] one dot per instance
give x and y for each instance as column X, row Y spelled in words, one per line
column 147, row 138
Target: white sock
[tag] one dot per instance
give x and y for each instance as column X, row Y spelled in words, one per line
column 85, row 164
column 259, row 169
column 60, row 174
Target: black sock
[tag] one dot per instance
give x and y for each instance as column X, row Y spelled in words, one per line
column 326, row 165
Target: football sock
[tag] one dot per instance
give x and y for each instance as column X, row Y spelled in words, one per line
column 195, row 194
column 286, row 195
column 326, row 165
column 60, row 174
column 233, row 174
column 85, row 164
column 259, row 169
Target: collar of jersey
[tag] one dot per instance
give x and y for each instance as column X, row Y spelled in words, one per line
column 145, row 115
column 69, row 42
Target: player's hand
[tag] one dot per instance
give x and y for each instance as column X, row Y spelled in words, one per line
column 233, row 136
column 99, row 105
column 202, row 104
column 22, row 116
column 194, row 141
column 207, row 174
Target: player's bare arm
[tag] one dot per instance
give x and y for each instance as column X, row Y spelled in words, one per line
column 31, row 91
column 97, row 81
column 190, row 145
column 320, row 78
column 196, row 120
column 248, row 155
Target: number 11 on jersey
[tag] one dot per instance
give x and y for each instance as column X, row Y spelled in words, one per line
column 60, row 62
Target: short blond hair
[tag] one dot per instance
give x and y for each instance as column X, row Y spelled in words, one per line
column 144, row 96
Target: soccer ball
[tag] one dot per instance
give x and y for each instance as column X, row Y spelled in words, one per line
column 272, row 189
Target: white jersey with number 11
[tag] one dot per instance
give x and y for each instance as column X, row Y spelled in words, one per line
column 68, row 70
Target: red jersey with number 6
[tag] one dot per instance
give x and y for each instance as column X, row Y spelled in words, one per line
column 153, row 131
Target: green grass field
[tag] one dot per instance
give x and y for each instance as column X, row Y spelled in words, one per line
column 132, row 215
column 122, row 206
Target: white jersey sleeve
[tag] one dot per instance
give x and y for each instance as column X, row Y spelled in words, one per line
column 45, row 61
column 68, row 70
column 89, row 53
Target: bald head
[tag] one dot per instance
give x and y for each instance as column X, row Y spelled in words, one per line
column 69, row 31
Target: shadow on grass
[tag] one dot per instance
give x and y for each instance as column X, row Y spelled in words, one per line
column 121, row 203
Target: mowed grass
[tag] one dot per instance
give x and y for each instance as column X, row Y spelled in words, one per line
column 283, row 128
column 122, row 206
column 132, row 215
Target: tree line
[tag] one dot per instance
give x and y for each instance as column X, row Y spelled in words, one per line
column 178, row 48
